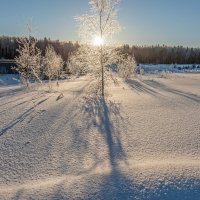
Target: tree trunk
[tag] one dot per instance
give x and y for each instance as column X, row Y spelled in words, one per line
column 102, row 72
column 101, row 54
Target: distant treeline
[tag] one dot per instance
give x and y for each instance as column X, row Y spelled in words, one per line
column 9, row 46
column 143, row 54
column 164, row 54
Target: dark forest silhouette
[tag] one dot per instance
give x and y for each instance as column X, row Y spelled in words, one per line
column 143, row 54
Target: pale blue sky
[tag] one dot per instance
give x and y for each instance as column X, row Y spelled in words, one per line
column 150, row 22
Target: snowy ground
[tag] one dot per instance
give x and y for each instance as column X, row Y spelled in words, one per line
column 141, row 143
column 155, row 68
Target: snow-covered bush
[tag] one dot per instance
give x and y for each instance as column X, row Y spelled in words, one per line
column 52, row 64
column 81, row 60
column 28, row 60
column 141, row 71
column 126, row 67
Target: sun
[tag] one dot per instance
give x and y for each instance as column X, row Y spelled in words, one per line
column 98, row 41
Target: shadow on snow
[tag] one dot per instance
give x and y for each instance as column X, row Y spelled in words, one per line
column 154, row 88
column 22, row 116
column 107, row 117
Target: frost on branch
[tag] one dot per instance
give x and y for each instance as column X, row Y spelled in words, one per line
column 126, row 66
column 98, row 53
column 81, row 61
column 32, row 65
column 52, row 64
column 28, row 60
column 101, row 21
column 87, row 60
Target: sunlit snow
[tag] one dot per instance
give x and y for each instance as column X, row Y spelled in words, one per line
column 141, row 142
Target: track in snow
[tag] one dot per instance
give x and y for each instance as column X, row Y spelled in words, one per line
column 140, row 143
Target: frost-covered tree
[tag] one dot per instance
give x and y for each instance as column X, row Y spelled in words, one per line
column 127, row 66
column 29, row 59
column 79, row 61
column 98, row 51
column 52, row 64
column 101, row 23
column 96, row 30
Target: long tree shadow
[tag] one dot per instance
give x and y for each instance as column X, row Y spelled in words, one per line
column 11, row 92
column 141, row 87
column 97, row 113
column 156, row 85
column 8, row 102
column 22, row 117
column 107, row 117
column 16, row 105
column 116, row 184
column 100, row 113
column 18, row 195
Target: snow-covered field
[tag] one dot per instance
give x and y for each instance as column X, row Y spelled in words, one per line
column 155, row 68
column 142, row 143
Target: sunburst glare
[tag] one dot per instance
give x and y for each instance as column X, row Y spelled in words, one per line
column 98, row 41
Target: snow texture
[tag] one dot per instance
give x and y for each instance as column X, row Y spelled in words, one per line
column 141, row 142
column 155, row 68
